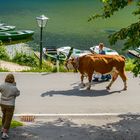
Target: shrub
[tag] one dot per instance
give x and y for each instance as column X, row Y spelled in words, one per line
column 129, row 65
column 24, row 59
column 136, row 69
column 3, row 54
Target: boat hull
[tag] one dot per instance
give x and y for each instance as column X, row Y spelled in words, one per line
column 15, row 35
column 7, row 28
column 75, row 52
column 53, row 55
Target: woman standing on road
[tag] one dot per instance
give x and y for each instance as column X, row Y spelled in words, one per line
column 9, row 92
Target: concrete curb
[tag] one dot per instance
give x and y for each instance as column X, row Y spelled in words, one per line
column 49, row 116
column 57, row 115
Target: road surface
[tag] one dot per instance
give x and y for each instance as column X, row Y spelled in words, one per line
column 59, row 93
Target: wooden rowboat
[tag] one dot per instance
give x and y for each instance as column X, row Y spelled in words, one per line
column 4, row 28
column 15, row 35
column 54, row 54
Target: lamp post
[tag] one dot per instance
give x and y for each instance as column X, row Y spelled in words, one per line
column 42, row 20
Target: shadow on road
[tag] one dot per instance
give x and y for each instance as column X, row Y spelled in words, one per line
column 127, row 128
column 77, row 92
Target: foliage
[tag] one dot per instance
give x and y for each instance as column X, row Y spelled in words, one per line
column 130, row 34
column 27, row 59
column 14, row 123
column 24, row 59
column 129, row 66
column 136, row 69
column 3, row 53
column 61, row 68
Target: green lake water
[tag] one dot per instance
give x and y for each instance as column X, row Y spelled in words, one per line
column 67, row 25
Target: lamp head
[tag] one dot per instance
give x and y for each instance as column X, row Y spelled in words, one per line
column 42, row 20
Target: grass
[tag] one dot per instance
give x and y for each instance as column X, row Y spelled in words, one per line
column 14, row 123
column 129, row 66
column 3, row 70
column 47, row 66
column 52, row 68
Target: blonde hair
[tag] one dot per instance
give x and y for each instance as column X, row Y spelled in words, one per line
column 101, row 44
column 10, row 78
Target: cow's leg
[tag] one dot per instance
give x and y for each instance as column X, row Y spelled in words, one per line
column 82, row 81
column 89, row 79
column 114, row 77
column 124, row 78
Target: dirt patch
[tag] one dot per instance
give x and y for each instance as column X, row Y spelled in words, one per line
column 12, row 66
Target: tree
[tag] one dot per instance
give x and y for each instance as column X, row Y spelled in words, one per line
column 130, row 34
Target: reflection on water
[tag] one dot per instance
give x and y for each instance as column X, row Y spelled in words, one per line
column 68, row 24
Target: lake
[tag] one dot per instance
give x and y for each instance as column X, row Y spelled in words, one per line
column 67, row 25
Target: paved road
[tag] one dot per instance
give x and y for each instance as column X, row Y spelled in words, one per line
column 59, row 93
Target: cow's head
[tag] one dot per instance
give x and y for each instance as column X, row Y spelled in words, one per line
column 72, row 64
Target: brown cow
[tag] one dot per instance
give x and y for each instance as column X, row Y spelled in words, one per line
column 88, row 64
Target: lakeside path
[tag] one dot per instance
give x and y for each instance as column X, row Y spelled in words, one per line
column 10, row 66
column 59, row 93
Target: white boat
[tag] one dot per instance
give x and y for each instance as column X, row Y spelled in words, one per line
column 75, row 52
column 53, row 54
column 134, row 53
column 1, row 24
column 138, row 49
column 108, row 51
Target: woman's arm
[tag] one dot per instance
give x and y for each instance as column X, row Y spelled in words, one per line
column 17, row 93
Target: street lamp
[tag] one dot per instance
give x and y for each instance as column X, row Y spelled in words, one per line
column 42, row 20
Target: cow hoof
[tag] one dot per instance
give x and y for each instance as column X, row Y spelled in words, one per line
column 108, row 88
column 82, row 85
column 125, row 89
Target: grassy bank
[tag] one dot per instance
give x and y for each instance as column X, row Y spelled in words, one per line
column 49, row 67
column 29, row 59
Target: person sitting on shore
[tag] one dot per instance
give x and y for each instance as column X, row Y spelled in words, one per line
column 101, row 77
column 101, row 50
